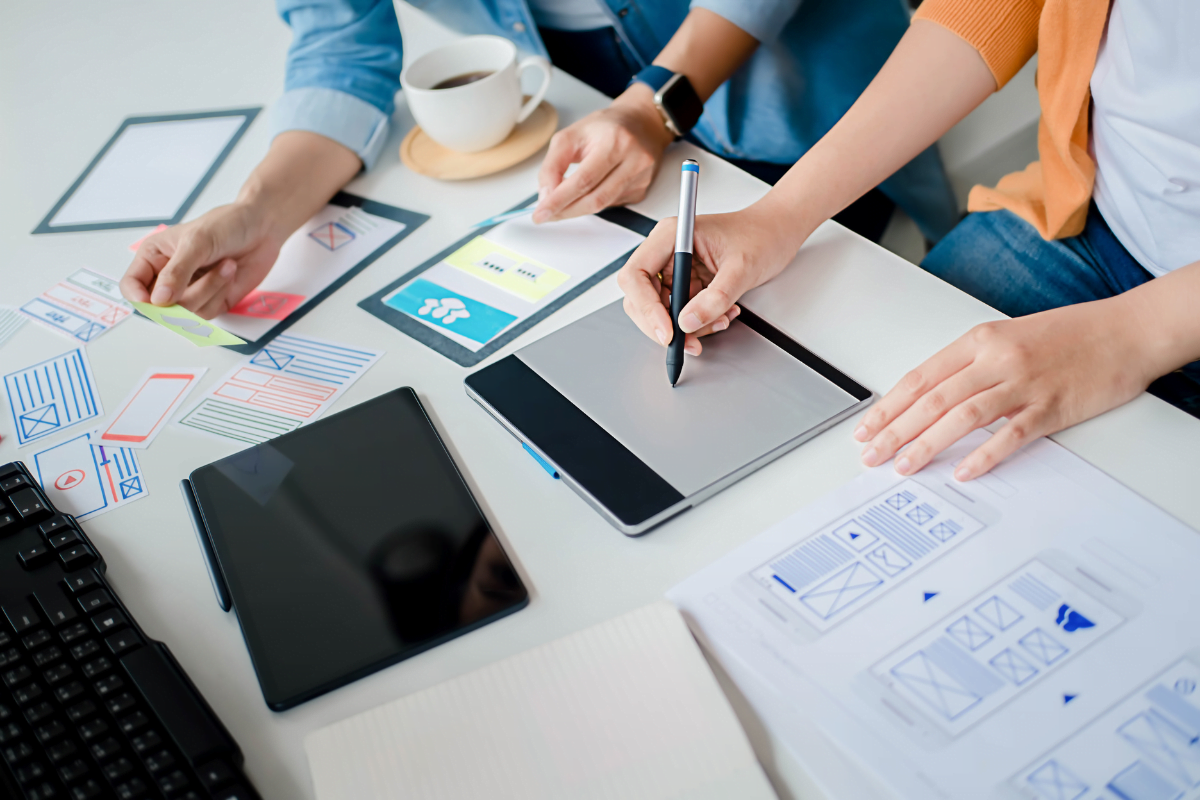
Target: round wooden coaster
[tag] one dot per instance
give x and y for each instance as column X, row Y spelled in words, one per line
column 422, row 154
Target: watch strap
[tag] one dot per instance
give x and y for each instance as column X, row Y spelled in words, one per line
column 653, row 76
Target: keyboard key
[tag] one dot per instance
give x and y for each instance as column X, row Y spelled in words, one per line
column 233, row 793
column 215, row 774
column 56, row 607
column 93, row 730
column 17, row 753
column 82, row 651
column 82, row 582
column 5, row 638
column 66, row 694
column 172, row 783
column 118, row 769
column 159, row 762
column 120, row 704
column 38, row 712
column 27, row 694
column 76, row 556
column 10, row 732
column 28, row 503
column 109, row 685
column 6, row 713
column 36, row 640
column 93, row 669
column 121, row 643
column 8, row 523
column 11, row 468
column 133, row 723
column 81, row 711
column 64, row 539
column 44, row 792
column 148, row 741
column 13, row 482
column 87, row 790
column 17, row 676
column 131, row 789
column 74, row 632
column 31, row 773
column 33, row 557
column 73, row 771
column 44, row 658
column 49, row 732
column 110, row 621
column 58, row 674
column 10, row 656
column 55, row 524
column 61, row 751
column 93, row 601
column 21, row 615
column 103, row 751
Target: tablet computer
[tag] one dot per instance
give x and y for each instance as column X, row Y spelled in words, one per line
column 348, row 545
column 593, row 402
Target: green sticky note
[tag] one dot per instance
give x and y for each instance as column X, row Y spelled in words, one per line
column 178, row 319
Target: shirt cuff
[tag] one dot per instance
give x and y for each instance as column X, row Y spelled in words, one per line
column 335, row 115
column 762, row 19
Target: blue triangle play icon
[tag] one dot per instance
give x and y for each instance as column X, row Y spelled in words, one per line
column 1068, row 698
column 930, row 595
column 854, row 535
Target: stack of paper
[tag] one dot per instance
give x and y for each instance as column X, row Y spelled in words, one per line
column 625, row 709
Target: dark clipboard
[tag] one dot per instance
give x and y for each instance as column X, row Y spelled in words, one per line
column 249, row 113
column 411, row 221
column 457, row 353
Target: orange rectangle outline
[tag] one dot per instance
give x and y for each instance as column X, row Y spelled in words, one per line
column 106, row 436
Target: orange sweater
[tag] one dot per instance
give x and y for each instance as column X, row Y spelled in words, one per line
column 1051, row 194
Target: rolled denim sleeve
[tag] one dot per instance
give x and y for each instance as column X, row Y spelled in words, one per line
column 343, row 72
column 762, row 19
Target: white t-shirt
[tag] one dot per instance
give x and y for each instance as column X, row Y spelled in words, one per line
column 1146, row 130
column 569, row 15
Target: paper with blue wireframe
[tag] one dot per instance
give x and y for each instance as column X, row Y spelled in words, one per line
column 52, row 396
column 85, row 480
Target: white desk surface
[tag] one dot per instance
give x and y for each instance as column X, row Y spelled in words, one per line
column 72, row 71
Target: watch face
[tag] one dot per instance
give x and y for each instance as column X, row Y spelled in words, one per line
column 679, row 101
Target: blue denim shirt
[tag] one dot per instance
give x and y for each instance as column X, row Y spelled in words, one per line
column 815, row 58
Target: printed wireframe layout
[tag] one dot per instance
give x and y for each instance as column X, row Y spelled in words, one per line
column 836, row 572
column 1146, row 747
column 985, row 653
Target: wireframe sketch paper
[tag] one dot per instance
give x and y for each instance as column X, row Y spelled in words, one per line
column 150, row 405
column 289, row 383
column 11, row 321
column 197, row 330
column 85, row 480
column 625, row 709
column 51, row 396
column 149, row 172
column 81, row 307
column 1048, row 653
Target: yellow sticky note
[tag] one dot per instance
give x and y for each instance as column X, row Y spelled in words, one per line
column 178, row 319
column 508, row 270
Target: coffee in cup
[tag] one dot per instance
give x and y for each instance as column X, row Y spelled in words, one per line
column 467, row 95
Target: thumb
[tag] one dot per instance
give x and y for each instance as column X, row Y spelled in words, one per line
column 195, row 250
column 717, row 298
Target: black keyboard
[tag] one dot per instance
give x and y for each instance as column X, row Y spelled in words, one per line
column 90, row 707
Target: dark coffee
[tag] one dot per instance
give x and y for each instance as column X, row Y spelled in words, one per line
column 462, row 80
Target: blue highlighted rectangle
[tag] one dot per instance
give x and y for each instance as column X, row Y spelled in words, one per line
column 450, row 311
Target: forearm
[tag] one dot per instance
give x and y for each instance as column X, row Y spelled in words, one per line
column 931, row 81
column 1161, row 314
column 299, row 174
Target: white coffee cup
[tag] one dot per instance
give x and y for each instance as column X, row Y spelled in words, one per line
column 476, row 115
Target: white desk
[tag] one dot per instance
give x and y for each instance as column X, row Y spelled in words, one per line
column 70, row 72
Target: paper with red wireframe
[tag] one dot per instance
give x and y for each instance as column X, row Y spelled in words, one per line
column 149, row 407
column 289, row 383
column 85, row 481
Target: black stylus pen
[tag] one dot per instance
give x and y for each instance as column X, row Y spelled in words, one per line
column 681, row 280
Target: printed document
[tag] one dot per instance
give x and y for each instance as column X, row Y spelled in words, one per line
column 1029, row 634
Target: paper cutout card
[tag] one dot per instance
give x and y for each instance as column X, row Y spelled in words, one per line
column 48, row 397
column 81, row 306
column 148, row 408
column 177, row 319
column 84, row 481
column 340, row 241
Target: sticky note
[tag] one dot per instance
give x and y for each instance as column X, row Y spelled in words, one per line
column 507, row 269
column 178, row 319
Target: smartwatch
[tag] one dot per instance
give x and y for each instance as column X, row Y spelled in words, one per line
column 674, row 97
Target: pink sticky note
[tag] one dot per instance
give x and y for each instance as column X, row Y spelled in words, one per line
column 268, row 305
column 133, row 248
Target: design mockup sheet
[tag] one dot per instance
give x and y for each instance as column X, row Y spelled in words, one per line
column 1028, row 635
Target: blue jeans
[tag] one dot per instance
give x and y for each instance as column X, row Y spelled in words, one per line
column 1002, row 260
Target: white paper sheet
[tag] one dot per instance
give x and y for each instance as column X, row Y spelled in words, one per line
column 149, row 171
column 81, row 306
column 1003, row 666
column 11, row 321
column 85, row 481
column 289, row 383
column 625, row 709
column 52, row 395
column 150, row 405
column 324, row 249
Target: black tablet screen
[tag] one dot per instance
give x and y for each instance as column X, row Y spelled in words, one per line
column 351, row 544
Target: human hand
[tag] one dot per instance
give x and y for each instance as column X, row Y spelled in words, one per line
column 206, row 265
column 1043, row 372
column 732, row 253
column 618, row 150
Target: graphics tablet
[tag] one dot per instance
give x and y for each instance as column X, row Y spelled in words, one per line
column 593, row 401
column 348, row 545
